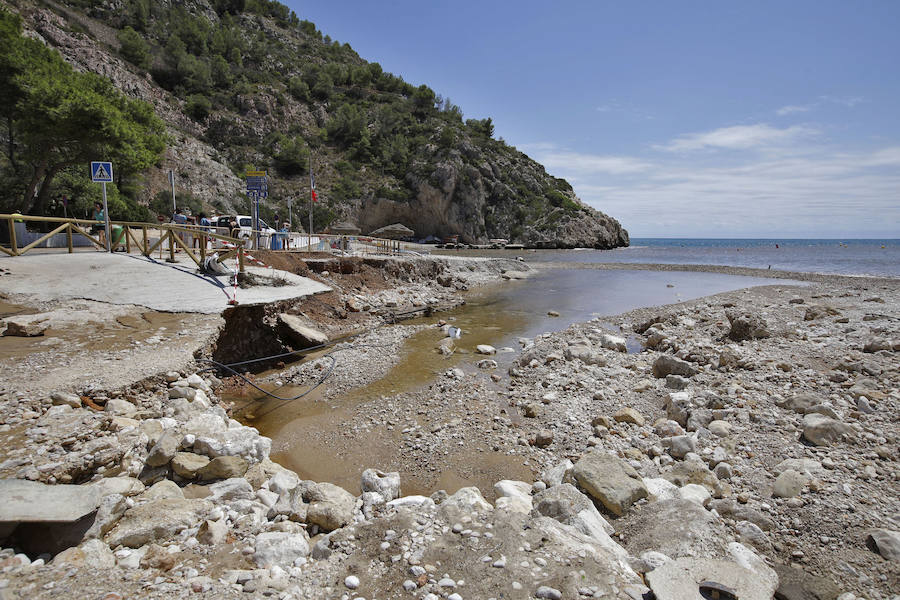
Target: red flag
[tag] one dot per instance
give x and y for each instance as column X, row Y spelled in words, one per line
column 315, row 198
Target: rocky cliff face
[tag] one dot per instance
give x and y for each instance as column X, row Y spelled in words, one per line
column 472, row 186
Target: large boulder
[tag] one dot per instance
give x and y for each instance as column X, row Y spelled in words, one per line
column 747, row 326
column 280, row 548
column 667, row 364
column 386, row 484
column 156, row 520
column 820, row 430
column 569, row 506
column 676, row 528
column 330, row 506
column 886, row 542
column 609, row 480
column 164, row 450
column 240, row 441
column 223, row 467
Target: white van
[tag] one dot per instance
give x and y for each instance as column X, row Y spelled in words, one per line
column 245, row 227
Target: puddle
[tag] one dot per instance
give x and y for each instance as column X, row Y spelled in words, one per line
column 314, row 438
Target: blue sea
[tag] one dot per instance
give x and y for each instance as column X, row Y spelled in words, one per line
column 844, row 257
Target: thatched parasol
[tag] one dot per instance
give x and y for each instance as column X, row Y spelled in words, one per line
column 343, row 228
column 393, row 232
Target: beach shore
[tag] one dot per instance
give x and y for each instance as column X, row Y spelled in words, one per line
column 756, row 430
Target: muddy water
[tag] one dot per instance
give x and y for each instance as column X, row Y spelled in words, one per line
column 311, row 436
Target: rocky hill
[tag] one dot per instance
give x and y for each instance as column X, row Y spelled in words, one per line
column 249, row 85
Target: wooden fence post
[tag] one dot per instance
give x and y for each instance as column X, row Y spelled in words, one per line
column 12, row 237
column 69, row 238
column 171, row 246
column 146, row 242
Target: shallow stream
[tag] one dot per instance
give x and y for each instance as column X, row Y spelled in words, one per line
column 498, row 316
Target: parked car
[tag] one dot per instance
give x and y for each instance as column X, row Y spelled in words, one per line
column 245, row 226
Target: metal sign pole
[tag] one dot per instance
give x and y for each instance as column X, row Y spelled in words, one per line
column 106, row 217
column 311, row 192
column 172, row 181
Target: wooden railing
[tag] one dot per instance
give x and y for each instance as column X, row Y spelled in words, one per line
column 133, row 236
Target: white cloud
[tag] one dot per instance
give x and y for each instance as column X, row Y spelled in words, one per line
column 593, row 163
column 792, row 109
column 821, row 192
column 739, row 137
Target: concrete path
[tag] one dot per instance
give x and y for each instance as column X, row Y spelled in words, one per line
column 130, row 279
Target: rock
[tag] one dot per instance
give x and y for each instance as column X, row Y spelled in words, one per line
column 789, row 484
column 610, row 480
column 557, row 473
column 330, row 506
column 485, row 349
column 809, row 466
column 467, row 500
column 223, row 467
column 486, row 364
column 446, row 346
column 612, row 342
column 126, row 486
column 92, row 554
column 212, row 533
column 679, row 579
column 119, row 407
column 629, row 415
column 157, row 557
column 548, row 593
column 799, row 403
column 60, row 398
column 679, row 445
column 159, row 519
column 543, row 438
column 585, row 354
column 25, row 326
column 746, row 326
column 567, row 505
column 300, row 333
column 230, row 490
column 795, row 584
column 695, row 493
column 694, row 471
column 386, row 484
column 719, row 428
column 667, row 364
column 677, row 382
column 676, row 528
column 187, row 464
column 161, row 490
column 823, row 431
column 816, row 311
column 240, row 441
column 886, row 542
column 280, row 548
column 164, row 450
column 877, row 345
column 531, row 410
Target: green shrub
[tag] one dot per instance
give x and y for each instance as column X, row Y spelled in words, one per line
column 133, row 48
column 198, row 107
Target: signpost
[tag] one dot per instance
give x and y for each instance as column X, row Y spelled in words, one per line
column 101, row 172
column 172, row 183
column 257, row 187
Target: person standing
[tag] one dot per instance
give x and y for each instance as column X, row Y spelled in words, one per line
column 100, row 227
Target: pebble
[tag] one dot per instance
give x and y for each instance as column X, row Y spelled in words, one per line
column 548, row 592
column 352, row 582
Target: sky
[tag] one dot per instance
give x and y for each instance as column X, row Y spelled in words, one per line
column 679, row 119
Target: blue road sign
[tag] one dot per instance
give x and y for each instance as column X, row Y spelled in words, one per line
column 101, row 172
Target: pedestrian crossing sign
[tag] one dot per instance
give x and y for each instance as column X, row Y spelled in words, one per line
column 101, row 172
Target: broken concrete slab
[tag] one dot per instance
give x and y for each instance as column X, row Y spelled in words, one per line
column 301, row 333
column 34, row 502
column 684, row 578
